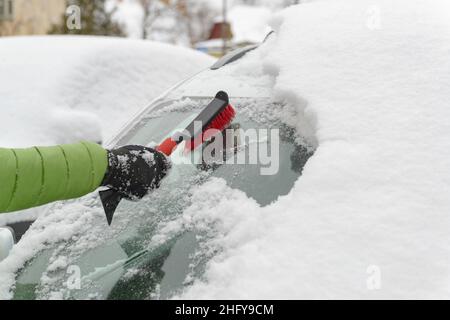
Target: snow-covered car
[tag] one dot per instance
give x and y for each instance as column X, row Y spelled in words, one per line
column 359, row 91
column 152, row 251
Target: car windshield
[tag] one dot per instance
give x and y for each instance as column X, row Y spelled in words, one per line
column 137, row 258
column 148, row 252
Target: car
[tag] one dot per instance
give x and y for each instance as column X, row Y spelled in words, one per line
column 366, row 92
column 149, row 253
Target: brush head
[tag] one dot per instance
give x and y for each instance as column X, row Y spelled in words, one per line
column 221, row 120
column 217, row 116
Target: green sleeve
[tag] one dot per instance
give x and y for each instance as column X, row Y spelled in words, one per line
column 40, row 175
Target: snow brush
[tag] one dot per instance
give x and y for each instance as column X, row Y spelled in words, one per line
column 215, row 117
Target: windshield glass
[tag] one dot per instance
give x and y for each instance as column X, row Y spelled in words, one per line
column 141, row 256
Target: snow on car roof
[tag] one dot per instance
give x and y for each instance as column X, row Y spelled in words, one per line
column 59, row 89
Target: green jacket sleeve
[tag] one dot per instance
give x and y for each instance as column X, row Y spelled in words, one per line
column 40, row 175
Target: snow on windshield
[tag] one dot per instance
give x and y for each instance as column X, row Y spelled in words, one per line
column 369, row 217
column 75, row 232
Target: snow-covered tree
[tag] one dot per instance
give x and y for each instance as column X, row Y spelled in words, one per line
column 151, row 9
column 177, row 21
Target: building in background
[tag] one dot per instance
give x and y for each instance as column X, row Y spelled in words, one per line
column 29, row 17
column 245, row 25
column 219, row 41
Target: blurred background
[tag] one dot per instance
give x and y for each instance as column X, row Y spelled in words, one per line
column 211, row 26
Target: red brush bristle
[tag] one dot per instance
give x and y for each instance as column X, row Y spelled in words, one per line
column 223, row 119
column 221, row 122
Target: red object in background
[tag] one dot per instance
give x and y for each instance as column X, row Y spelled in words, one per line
column 216, row 31
column 217, row 116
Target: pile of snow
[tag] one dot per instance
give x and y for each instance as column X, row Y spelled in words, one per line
column 63, row 89
column 369, row 218
column 31, row 72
